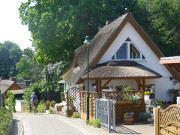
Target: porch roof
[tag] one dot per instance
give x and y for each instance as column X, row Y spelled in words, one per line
column 121, row 70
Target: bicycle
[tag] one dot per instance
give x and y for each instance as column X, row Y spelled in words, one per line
column 34, row 107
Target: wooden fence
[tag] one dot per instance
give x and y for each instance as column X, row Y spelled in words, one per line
column 167, row 122
column 92, row 105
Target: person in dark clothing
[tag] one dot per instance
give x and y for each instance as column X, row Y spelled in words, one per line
column 33, row 101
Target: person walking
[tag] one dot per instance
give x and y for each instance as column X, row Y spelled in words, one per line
column 33, row 100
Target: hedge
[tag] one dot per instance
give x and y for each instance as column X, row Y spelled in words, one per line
column 5, row 119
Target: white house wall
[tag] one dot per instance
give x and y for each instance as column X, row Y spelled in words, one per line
column 151, row 60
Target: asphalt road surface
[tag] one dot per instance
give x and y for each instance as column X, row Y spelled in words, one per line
column 43, row 124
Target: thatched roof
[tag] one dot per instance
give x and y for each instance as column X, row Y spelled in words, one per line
column 95, row 47
column 5, row 85
column 100, row 44
column 120, row 70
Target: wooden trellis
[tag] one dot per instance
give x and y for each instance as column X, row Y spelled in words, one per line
column 73, row 100
column 168, row 121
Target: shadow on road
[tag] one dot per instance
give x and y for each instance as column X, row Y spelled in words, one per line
column 18, row 128
column 124, row 130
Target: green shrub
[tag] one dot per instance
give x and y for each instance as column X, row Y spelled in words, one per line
column 75, row 115
column 5, row 119
column 41, row 107
column 95, row 123
column 6, row 102
column 11, row 102
column 143, row 116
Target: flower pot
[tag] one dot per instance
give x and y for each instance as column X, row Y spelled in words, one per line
column 146, row 97
column 59, row 108
column 70, row 112
column 128, row 120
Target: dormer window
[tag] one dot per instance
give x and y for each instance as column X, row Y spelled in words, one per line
column 128, row 51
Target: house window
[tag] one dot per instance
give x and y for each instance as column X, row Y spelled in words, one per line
column 122, row 52
column 128, row 51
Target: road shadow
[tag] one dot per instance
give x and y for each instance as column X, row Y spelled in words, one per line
column 124, row 130
column 18, row 128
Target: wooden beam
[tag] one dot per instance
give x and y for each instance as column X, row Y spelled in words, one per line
column 108, row 81
column 139, row 82
column 144, row 84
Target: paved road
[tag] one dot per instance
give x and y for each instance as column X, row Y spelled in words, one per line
column 43, row 124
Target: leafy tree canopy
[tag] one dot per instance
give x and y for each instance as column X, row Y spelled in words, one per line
column 10, row 54
column 58, row 26
column 164, row 16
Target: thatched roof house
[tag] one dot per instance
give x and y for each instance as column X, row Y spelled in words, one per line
column 121, row 50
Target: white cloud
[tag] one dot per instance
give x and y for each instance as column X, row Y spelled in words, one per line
column 10, row 25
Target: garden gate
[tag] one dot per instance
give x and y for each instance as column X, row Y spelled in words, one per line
column 73, row 99
column 105, row 110
column 167, row 122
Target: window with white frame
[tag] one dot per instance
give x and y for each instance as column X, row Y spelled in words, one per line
column 128, row 51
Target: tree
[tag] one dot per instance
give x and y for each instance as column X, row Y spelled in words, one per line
column 58, row 27
column 10, row 54
column 28, row 52
column 24, row 66
column 28, row 68
column 164, row 17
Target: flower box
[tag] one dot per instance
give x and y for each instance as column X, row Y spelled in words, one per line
column 125, row 102
column 128, row 120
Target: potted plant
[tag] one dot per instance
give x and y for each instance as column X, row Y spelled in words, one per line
column 135, row 98
column 53, row 103
column 59, row 107
column 151, row 108
column 129, row 118
column 146, row 95
column 143, row 116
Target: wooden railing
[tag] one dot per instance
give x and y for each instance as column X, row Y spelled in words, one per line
column 167, row 122
column 92, row 105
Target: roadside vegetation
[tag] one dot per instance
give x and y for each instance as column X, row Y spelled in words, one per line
column 5, row 119
column 94, row 123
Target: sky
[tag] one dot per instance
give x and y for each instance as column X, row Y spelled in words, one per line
column 11, row 28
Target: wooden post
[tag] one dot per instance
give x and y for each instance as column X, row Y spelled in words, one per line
column 100, row 90
column 144, row 84
column 157, row 128
column 97, row 87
